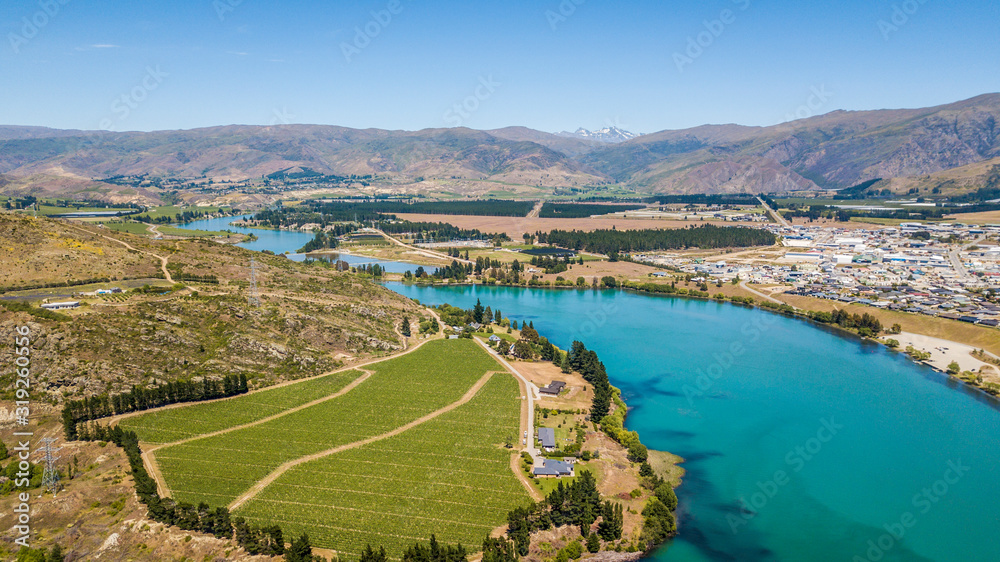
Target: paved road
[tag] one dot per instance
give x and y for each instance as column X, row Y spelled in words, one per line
column 956, row 260
column 774, row 214
column 424, row 251
column 531, row 392
column 536, row 210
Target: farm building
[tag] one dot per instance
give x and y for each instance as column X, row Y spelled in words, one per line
column 547, row 437
column 61, row 305
column 553, row 388
column 553, row 469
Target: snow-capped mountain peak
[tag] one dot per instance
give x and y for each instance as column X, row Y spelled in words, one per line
column 607, row 134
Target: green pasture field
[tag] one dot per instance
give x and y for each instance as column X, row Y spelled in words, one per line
column 130, row 227
column 174, row 231
column 866, row 202
column 172, row 210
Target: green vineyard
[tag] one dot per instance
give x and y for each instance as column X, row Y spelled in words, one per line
column 169, row 425
column 449, row 475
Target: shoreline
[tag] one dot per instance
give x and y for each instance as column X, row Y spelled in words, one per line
column 942, row 351
column 332, row 251
column 917, row 340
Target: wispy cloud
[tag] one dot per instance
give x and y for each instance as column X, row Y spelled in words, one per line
column 97, row 46
column 237, row 53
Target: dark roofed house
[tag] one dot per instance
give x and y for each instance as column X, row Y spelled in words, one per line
column 553, row 388
column 547, row 437
column 554, row 469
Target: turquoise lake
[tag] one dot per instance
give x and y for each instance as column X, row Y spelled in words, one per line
column 801, row 444
column 281, row 241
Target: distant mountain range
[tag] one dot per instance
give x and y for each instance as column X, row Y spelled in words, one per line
column 949, row 145
column 607, row 134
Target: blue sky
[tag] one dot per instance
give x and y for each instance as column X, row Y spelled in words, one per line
column 551, row 65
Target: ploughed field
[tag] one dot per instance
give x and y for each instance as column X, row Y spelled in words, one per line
column 289, row 456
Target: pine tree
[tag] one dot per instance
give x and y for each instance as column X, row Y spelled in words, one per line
column 593, row 544
column 69, row 424
column 405, row 329
column 498, row 550
column 276, row 543
column 300, row 550
column 369, row 555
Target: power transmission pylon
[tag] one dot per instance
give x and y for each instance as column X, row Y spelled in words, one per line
column 50, row 476
column 254, row 298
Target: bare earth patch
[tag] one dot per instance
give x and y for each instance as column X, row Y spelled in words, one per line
column 517, row 226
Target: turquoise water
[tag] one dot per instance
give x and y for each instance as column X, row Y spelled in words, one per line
column 281, row 241
column 801, row 444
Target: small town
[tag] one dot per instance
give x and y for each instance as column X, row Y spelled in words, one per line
column 944, row 270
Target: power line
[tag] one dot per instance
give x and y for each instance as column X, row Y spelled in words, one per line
column 50, row 476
